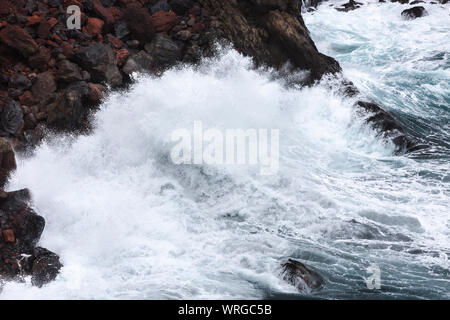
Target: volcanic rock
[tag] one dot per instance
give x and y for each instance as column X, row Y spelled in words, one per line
column 414, row 12
column 19, row 39
column 164, row 50
column 300, row 276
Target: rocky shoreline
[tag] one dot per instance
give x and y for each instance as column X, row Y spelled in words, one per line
column 53, row 78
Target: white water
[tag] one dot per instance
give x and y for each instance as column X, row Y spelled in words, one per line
column 221, row 232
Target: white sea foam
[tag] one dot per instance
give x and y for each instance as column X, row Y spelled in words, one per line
column 128, row 223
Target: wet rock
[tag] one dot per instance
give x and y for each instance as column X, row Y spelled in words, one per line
column 180, row 6
column 67, row 112
column 359, row 230
column 387, row 126
column 27, row 225
column 414, row 12
column 417, row 2
column 18, row 253
column 163, row 50
column 271, row 38
column 18, row 39
column 7, row 161
column 140, row 61
column 95, row 92
column 139, row 22
column 122, row 56
column 11, row 117
column 349, row 6
column 401, row 1
column 68, row 71
column 300, row 276
column 45, row 267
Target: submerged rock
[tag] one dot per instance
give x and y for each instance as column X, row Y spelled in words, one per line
column 300, row 276
column 388, row 127
column 351, row 5
column 414, row 12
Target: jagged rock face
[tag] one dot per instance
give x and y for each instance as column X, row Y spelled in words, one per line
column 272, row 32
column 20, row 230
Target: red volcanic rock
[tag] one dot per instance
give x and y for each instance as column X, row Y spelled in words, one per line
column 27, row 99
column 122, row 56
column 52, row 22
column 8, row 236
column 19, row 39
column 164, row 21
column 40, row 59
column 94, row 26
column 95, row 92
column 198, row 28
column 33, row 20
column 116, row 42
column 139, row 22
column 104, row 13
column 44, row 29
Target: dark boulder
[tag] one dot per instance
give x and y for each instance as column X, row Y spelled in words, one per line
column 68, row 71
column 18, row 83
column 100, row 60
column 349, row 6
column 68, row 111
column 11, row 117
column 272, row 38
column 21, row 229
column 45, row 266
column 300, row 276
column 164, row 50
column 18, row 39
column 121, row 29
column 44, row 86
column 7, row 161
column 139, row 22
column 414, row 12
column 401, row 1
column 388, row 127
column 140, row 61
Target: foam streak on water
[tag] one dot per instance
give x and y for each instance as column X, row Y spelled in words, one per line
column 128, row 223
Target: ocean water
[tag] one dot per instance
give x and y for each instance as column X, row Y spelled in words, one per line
column 128, row 223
